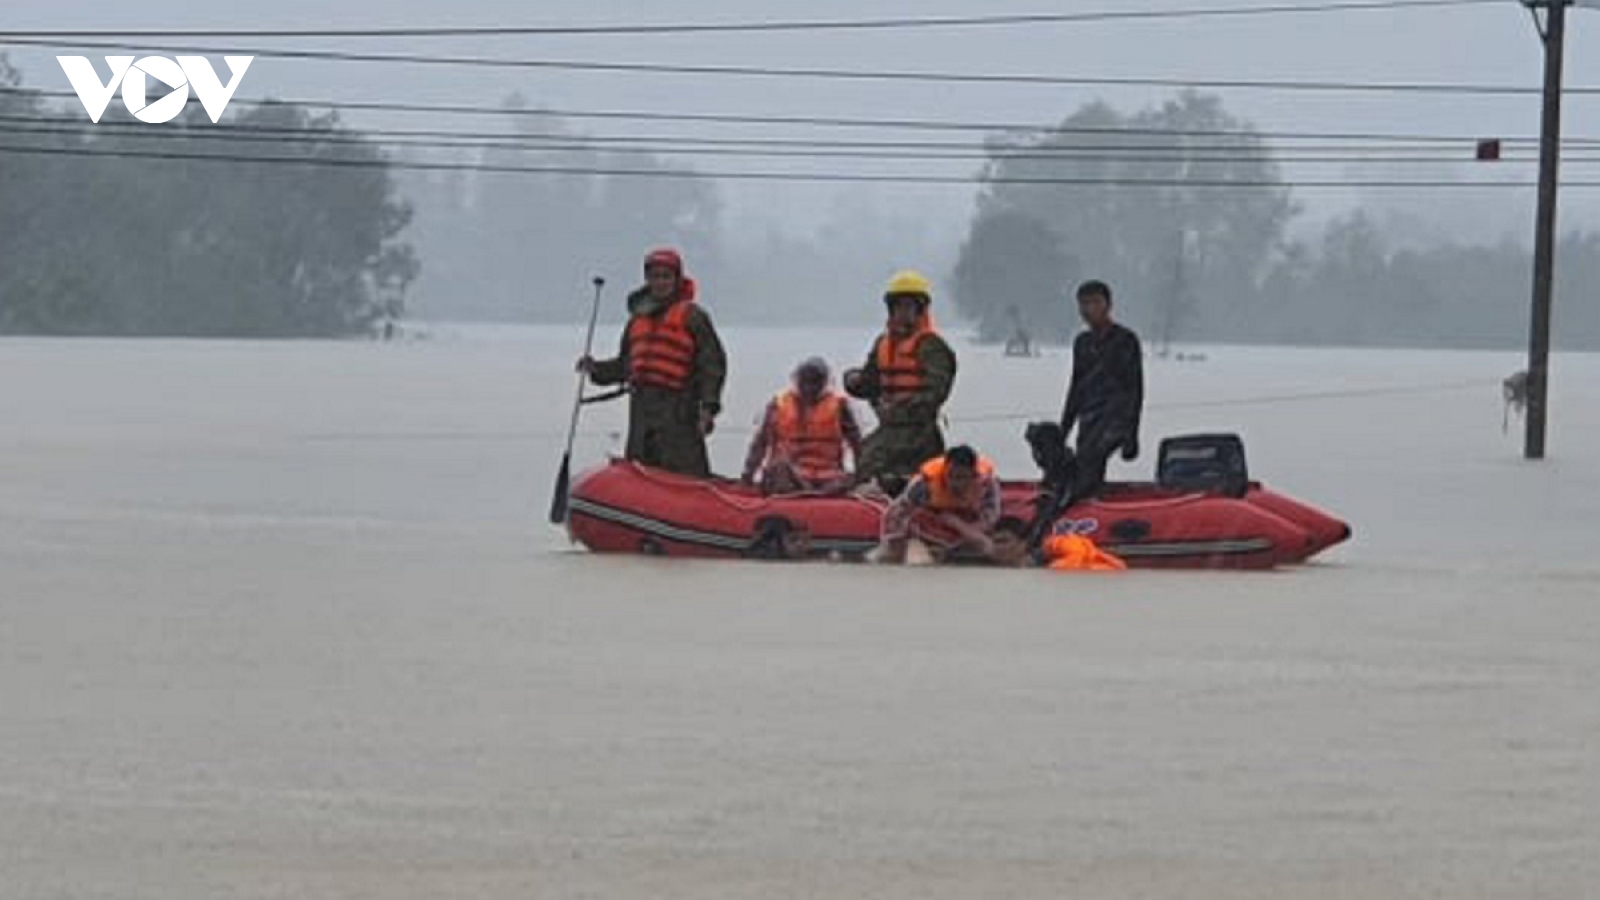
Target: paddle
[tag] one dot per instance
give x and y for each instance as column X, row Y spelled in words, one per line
column 558, row 501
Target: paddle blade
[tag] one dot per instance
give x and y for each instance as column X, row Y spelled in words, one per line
column 558, row 501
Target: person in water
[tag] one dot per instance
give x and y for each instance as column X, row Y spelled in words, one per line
column 952, row 503
column 907, row 378
column 674, row 366
column 803, row 437
column 1106, row 394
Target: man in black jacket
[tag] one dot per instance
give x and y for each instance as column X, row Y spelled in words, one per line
column 1107, row 391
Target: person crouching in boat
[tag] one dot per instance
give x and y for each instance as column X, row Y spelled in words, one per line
column 674, row 366
column 951, row 505
column 801, row 444
column 907, row 379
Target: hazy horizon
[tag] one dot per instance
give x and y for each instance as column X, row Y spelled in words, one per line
column 852, row 235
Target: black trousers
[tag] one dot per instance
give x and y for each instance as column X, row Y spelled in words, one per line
column 1096, row 443
column 1082, row 476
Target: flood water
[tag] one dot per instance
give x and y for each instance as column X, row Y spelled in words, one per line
column 285, row 620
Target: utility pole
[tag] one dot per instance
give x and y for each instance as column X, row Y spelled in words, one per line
column 1177, row 306
column 1554, row 33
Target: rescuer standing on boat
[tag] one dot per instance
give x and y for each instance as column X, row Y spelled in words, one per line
column 907, row 378
column 1106, row 395
column 674, row 366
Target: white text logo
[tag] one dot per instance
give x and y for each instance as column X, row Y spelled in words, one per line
column 1076, row 526
column 187, row 72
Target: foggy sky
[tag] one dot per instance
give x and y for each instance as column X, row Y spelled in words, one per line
column 1493, row 44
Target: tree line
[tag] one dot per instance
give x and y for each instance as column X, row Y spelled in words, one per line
column 124, row 245
column 1207, row 264
column 520, row 246
column 515, row 246
column 142, row 245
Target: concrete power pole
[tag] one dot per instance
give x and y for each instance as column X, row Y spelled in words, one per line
column 1554, row 34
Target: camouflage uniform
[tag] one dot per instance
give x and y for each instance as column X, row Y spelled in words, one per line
column 908, row 433
column 664, row 425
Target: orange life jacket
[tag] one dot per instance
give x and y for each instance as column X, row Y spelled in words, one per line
column 941, row 498
column 1076, row 553
column 811, row 438
column 661, row 348
column 899, row 371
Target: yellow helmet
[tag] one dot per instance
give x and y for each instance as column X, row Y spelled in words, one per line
column 909, row 282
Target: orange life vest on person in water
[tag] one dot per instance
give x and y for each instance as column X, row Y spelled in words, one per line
column 899, row 371
column 944, row 500
column 811, row 438
column 661, row 348
column 1076, row 553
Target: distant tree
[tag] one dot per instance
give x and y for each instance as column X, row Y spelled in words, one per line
column 771, row 272
column 1012, row 272
column 1076, row 181
column 140, row 245
column 522, row 243
column 1350, row 288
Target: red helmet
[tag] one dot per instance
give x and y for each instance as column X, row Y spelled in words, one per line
column 664, row 256
column 671, row 259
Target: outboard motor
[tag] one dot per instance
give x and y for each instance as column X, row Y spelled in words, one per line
column 1204, row 462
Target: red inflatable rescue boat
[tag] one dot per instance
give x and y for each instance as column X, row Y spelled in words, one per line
column 622, row 507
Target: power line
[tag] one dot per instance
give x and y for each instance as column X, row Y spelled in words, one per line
column 977, row 418
column 895, row 23
column 200, row 129
column 1032, row 128
column 229, row 131
column 1265, row 399
column 777, row 153
column 670, row 146
column 973, row 78
column 838, row 177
